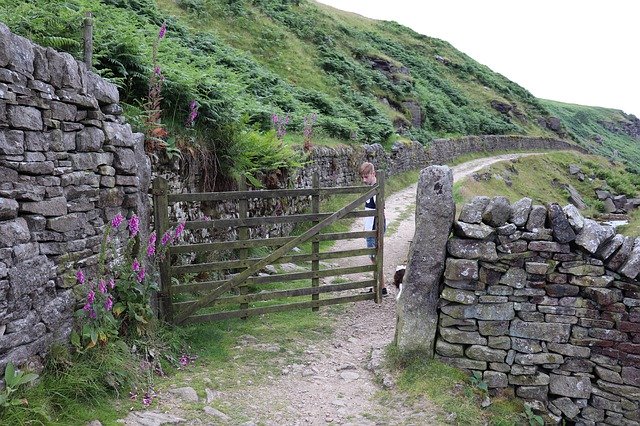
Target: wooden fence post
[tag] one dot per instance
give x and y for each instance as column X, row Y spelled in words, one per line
column 315, row 245
column 243, row 233
column 379, row 235
column 88, row 39
column 161, row 220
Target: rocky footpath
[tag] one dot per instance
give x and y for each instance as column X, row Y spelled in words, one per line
column 545, row 302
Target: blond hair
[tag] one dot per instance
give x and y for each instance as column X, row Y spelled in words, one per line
column 366, row 168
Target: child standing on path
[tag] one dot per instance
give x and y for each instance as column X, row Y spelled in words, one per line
column 368, row 175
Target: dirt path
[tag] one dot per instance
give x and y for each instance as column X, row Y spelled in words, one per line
column 340, row 380
column 338, row 385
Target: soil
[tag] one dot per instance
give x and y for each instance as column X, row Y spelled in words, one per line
column 343, row 379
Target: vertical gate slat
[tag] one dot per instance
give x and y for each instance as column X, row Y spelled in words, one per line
column 243, row 232
column 161, row 219
column 315, row 246
column 379, row 274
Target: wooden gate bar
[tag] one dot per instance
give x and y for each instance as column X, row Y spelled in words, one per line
column 276, row 308
column 257, row 221
column 210, row 298
column 279, row 294
column 243, row 232
column 264, row 242
column 293, row 258
column 266, row 193
column 213, row 285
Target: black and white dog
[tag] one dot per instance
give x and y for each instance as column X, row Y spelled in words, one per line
column 398, row 277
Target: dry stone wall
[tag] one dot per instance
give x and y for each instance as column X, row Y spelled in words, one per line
column 544, row 301
column 68, row 164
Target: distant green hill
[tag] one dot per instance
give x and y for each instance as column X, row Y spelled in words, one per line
column 243, row 61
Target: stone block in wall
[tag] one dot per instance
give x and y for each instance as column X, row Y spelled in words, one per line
column 539, row 358
column 14, row 231
column 449, row 350
column 119, row 134
column 618, row 259
column 63, row 111
column 514, row 277
column 124, row 161
column 462, row 337
column 105, row 92
column 459, row 296
column 8, row 208
column 52, row 207
column 483, row 353
column 24, row 117
column 495, row 311
column 572, row 386
column 89, row 139
column 538, row 379
column 472, row 249
column 63, row 70
column 463, row 363
column 499, row 342
column 562, row 290
column 625, row 391
column 538, row 393
column 471, row 230
column 567, row 407
column 549, row 246
column 537, row 218
column 497, row 212
column 16, row 52
column 12, row 142
column 73, row 97
column 593, row 235
column 562, row 230
column 528, row 346
column 589, row 281
column 495, row 379
column 558, row 333
column 472, row 211
column 520, row 211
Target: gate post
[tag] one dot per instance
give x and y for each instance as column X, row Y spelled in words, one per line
column 243, row 233
column 161, row 220
column 380, row 228
column 315, row 245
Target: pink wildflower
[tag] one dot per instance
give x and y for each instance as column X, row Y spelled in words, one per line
column 91, row 296
column 140, row 276
column 102, row 286
column 112, row 283
column 134, row 225
column 108, row 304
column 193, row 113
column 163, row 31
column 166, row 238
column 135, row 265
column 157, row 71
column 80, row 276
column 116, row 221
column 184, row 360
column 151, row 245
column 179, row 229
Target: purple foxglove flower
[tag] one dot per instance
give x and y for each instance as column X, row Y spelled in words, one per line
column 166, row 238
column 179, row 230
column 151, row 245
column 140, row 276
column 112, row 283
column 116, row 221
column 108, row 304
column 135, row 265
column 102, row 287
column 163, row 31
column 134, row 225
column 91, row 296
column 80, row 276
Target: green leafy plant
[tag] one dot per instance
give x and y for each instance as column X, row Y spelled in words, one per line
column 118, row 299
column 532, row 418
column 14, row 379
column 478, row 382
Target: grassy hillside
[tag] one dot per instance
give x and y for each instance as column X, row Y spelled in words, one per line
column 603, row 131
column 243, row 61
column 544, row 179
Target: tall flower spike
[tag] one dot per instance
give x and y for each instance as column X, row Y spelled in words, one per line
column 80, row 276
column 163, row 31
column 134, row 225
column 116, row 221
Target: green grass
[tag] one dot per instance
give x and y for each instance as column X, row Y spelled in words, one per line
column 452, row 391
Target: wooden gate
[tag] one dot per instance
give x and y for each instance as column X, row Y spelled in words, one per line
column 188, row 294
